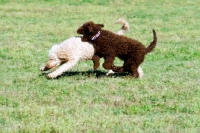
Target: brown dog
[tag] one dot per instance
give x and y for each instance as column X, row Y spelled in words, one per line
column 110, row 45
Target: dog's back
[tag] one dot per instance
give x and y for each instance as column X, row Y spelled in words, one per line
column 75, row 48
column 109, row 42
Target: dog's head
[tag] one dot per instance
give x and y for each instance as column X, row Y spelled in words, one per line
column 54, row 58
column 89, row 30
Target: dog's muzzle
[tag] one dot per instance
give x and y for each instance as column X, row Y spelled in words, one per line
column 80, row 31
column 46, row 68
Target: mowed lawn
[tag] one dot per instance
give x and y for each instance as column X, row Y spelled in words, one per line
column 165, row 100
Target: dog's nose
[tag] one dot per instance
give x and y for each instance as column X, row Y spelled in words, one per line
column 79, row 31
column 46, row 68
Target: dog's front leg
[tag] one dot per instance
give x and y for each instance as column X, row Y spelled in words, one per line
column 63, row 68
column 95, row 60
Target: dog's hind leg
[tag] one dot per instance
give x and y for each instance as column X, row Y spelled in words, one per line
column 121, row 69
column 132, row 67
column 134, row 72
column 140, row 71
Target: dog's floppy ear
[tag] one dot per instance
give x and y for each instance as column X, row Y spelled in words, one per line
column 100, row 25
column 90, row 28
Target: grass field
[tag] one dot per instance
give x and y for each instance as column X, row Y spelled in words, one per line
column 165, row 100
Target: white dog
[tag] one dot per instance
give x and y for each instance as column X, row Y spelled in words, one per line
column 68, row 53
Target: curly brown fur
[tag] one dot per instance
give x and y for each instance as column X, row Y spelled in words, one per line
column 110, row 45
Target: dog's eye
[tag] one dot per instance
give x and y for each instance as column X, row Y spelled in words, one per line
column 62, row 59
column 52, row 59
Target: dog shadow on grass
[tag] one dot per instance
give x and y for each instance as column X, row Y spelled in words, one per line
column 89, row 73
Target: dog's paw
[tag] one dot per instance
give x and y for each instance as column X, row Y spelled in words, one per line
column 42, row 68
column 52, row 75
column 140, row 71
column 110, row 73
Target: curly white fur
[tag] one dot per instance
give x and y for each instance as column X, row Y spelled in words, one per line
column 125, row 26
column 68, row 53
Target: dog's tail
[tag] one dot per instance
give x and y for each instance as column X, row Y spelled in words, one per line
column 125, row 26
column 152, row 44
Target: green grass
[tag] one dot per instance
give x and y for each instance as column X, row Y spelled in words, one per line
column 166, row 99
